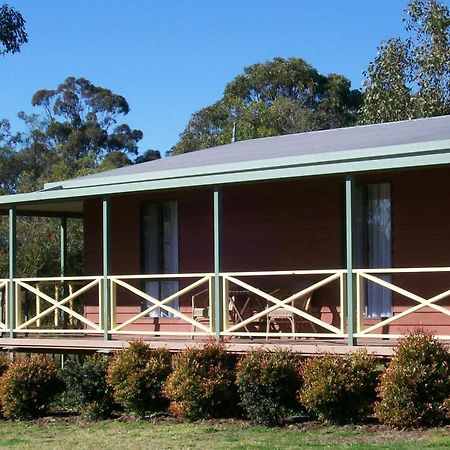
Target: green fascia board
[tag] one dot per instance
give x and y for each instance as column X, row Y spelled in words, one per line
column 404, row 156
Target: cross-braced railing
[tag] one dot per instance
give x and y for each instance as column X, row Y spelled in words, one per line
column 365, row 276
column 54, row 305
column 268, row 308
column 165, row 307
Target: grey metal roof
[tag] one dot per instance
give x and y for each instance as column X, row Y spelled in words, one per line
column 312, row 143
column 414, row 143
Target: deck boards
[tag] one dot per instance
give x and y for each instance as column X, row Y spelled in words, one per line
column 65, row 344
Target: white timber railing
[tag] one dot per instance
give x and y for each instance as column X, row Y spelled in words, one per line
column 165, row 305
column 54, row 305
column 253, row 304
column 365, row 276
column 281, row 302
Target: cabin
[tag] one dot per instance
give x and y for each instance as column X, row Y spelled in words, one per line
column 321, row 240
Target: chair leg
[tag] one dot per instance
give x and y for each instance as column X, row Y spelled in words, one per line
column 193, row 330
column 269, row 321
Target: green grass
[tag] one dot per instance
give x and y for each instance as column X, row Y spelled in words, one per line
column 223, row 435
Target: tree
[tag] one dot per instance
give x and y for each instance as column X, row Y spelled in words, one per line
column 411, row 78
column 278, row 97
column 75, row 134
column 12, row 30
column 149, row 155
column 10, row 166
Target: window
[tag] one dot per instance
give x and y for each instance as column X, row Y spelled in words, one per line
column 373, row 242
column 160, row 252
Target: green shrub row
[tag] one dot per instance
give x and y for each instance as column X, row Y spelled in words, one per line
column 207, row 382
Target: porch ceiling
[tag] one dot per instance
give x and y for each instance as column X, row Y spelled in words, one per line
column 414, row 143
column 49, row 209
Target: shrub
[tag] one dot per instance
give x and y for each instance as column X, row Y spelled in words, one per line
column 86, row 383
column 28, row 386
column 340, row 389
column 202, row 384
column 416, row 383
column 137, row 375
column 4, row 363
column 267, row 384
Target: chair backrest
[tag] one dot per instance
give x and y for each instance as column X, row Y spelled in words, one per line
column 200, row 300
column 302, row 303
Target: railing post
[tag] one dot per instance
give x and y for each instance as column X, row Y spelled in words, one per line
column 12, row 271
column 349, row 258
column 217, row 262
column 106, row 266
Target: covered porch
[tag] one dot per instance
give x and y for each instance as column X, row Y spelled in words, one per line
column 272, row 252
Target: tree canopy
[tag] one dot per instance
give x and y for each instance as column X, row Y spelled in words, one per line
column 12, row 30
column 277, row 97
column 74, row 132
column 411, row 78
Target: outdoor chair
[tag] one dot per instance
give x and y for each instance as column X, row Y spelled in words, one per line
column 281, row 314
column 200, row 308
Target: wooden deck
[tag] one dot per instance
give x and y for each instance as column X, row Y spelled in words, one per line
column 74, row 344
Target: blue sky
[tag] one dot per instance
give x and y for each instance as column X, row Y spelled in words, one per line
column 170, row 58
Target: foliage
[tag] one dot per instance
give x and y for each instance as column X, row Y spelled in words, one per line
column 267, row 384
column 149, row 155
column 201, row 385
column 75, row 133
column 12, row 30
column 416, row 383
column 38, row 251
column 411, row 78
column 28, row 386
column 278, row 97
column 340, row 389
column 76, row 129
column 86, row 382
column 4, row 363
column 137, row 375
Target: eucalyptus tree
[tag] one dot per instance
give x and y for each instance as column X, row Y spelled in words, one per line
column 280, row 96
column 410, row 78
column 75, row 130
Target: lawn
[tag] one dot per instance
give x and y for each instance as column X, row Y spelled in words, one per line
column 168, row 434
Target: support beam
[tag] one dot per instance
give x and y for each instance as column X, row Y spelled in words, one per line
column 106, row 266
column 63, row 261
column 63, row 246
column 217, row 262
column 12, row 272
column 349, row 257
